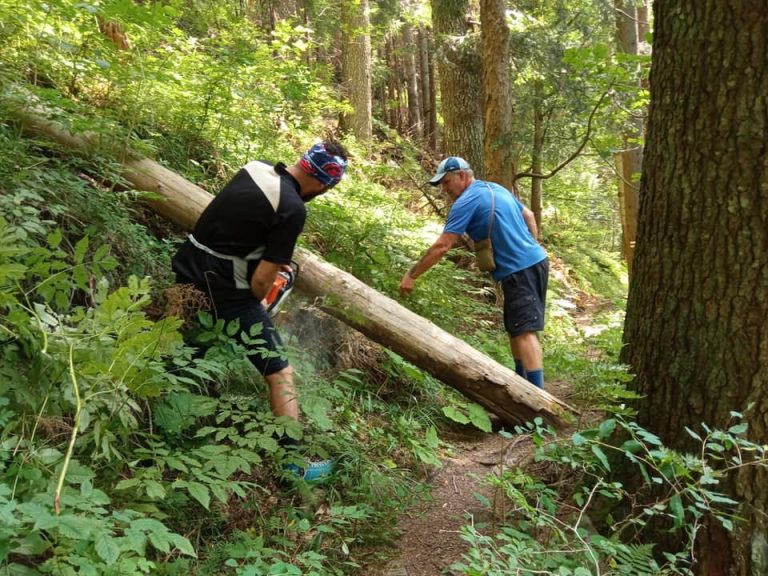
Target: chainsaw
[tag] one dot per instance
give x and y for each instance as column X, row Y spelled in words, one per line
column 281, row 287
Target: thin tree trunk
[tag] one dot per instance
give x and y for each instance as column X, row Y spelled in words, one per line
column 632, row 154
column 643, row 21
column 497, row 148
column 537, row 153
column 415, row 126
column 427, row 95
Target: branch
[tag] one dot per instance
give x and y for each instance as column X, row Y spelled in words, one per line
column 578, row 151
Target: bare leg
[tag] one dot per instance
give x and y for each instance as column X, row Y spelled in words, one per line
column 527, row 347
column 282, row 393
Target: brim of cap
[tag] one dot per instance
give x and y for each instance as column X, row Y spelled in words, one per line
column 435, row 180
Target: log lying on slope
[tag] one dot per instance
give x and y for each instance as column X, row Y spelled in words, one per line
column 426, row 345
column 382, row 319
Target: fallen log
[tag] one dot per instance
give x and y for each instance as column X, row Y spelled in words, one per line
column 380, row 318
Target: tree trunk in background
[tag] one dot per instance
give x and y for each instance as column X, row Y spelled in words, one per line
column 391, row 91
column 379, row 89
column 632, row 155
column 268, row 13
column 428, row 116
column 537, row 152
column 410, row 50
column 357, row 67
column 696, row 334
column 395, row 71
column 643, row 21
column 459, row 70
column 497, row 149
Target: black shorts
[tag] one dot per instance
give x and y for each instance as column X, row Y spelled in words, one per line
column 525, row 294
column 265, row 347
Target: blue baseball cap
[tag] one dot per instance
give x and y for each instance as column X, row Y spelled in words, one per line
column 450, row 164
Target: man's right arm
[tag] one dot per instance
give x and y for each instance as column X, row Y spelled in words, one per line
column 263, row 278
column 432, row 256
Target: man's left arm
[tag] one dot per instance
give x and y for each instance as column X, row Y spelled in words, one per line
column 530, row 221
column 432, row 256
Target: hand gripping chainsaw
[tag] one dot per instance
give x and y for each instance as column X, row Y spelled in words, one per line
column 281, row 287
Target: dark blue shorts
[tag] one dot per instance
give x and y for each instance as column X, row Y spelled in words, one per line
column 525, row 294
column 257, row 333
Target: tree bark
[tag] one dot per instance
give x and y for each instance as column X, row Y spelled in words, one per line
column 415, row 126
column 643, row 21
column 632, row 154
column 457, row 364
column 428, row 114
column 497, row 146
column 537, row 152
column 357, row 68
column 696, row 333
column 459, row 70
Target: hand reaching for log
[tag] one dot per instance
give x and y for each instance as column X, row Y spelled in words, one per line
column 407, row 284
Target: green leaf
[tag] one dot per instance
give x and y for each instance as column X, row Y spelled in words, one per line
column 107, row 548
column 127, row 483
column 598, row 452
column 454, row 414
column 693, row 434
column 80, row 249
column 678, row 513
column 183, row 545
column 606, row 428
column 479, row 417
column 739, row 429
column 200, row 493
column 632, row 446
column 54, row 238
column 267, row 443
column 154, row 489
column 160, row 540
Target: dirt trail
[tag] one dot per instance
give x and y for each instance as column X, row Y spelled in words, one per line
column 431, row 541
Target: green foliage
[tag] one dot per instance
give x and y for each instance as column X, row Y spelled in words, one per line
column 551, row 530
column 155, row 450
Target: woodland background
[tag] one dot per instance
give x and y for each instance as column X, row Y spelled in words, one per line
column 132, row 445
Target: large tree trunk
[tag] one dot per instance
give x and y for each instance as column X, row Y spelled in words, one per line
column 460, row 81
column 696, row 333
column 357, row 67
column 497, row 150
column 480, row 378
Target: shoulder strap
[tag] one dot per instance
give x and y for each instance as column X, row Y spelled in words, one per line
column 493, row 209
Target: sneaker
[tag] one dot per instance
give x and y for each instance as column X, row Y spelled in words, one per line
column 313, row 471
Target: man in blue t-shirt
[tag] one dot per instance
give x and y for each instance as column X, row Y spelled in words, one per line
column 521, row 263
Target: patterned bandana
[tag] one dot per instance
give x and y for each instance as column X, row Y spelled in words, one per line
column 323, row 166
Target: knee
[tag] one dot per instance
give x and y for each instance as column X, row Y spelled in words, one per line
column 281, row 377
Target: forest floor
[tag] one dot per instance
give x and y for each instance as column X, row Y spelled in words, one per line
column 431, row 541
